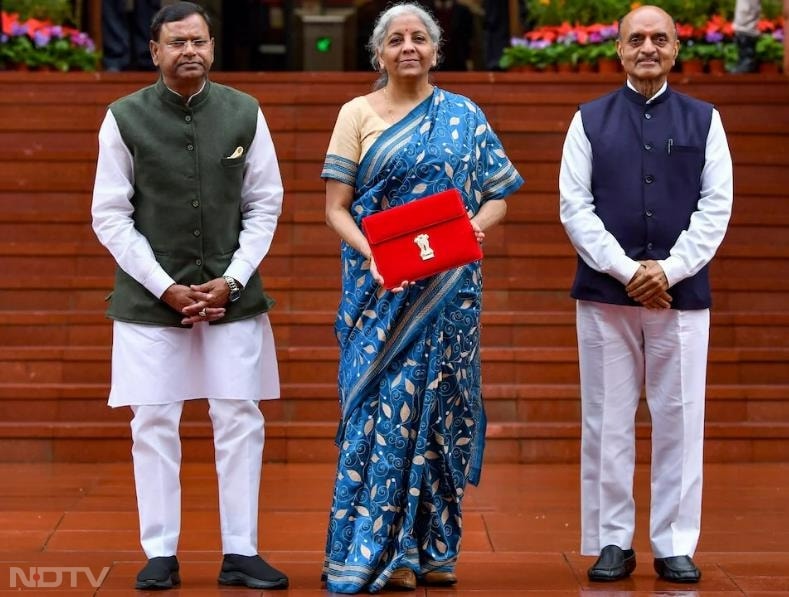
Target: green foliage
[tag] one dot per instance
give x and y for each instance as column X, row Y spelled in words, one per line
column 57, row 11
column 769, row 49
column 696, row 12
column 772, row 9
column 561, row 53
column 554, row 12
column 604, row 50
column 18, row 50
column 703, row 51
column 731, row 55
column 538, row 59
column 516, row 56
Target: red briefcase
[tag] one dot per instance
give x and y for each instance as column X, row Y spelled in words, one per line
column 422, row 238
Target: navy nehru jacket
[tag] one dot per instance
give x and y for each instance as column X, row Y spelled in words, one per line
column 647, row 161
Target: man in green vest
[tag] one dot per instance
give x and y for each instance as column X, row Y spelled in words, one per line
column 186, row 199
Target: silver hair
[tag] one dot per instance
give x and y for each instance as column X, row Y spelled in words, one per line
column 376, row 43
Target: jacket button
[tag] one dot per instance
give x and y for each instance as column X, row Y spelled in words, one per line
column 198, row 262
column 188, row 118
column 648, row 116
column 649, row 213
column 190, row 147
column 649, row 179
column 196, row 232
column 195, row 203
column 648, row 146
column 649, row 246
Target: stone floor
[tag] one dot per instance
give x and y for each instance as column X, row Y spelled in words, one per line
column 71, row 523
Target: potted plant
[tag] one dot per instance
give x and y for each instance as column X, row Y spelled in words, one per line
column 16, row 51
column 564, row 56
column 690, row 57
column 518, row 57
column 584, row 55
column 770, row 52
column 544, row 55
column 35, row 44
column 605, row 56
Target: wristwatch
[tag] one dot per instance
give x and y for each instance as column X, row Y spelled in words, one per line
column 235, row 288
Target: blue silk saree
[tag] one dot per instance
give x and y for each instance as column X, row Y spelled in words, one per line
column 412, row 429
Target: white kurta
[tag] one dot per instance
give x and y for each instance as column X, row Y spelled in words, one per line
column 158, row 365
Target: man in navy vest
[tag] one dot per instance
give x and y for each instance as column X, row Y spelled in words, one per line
column 186, row 199
column 646, row 195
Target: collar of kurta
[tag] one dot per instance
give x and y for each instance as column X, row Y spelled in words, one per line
column 635, row 97
column 172, row 97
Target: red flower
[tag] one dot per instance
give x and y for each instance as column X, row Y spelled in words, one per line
column 684, row 31
column 765, row 26
column 9, row 20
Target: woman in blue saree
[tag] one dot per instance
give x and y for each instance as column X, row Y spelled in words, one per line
column 412, row 429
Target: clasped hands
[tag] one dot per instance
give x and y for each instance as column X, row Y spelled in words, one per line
column 198, row 302
column 649, row 286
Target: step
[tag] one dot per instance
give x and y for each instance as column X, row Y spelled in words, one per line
column 314, row 442
column 25, row 235
column 49, row 209
column 304, row 293
column 754, row 266
column 60, row 176
column 308, row 111
column 316, row 328
column 318, row 402
column 531, row 134
column 298, row 364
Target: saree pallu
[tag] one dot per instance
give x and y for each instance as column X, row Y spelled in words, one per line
column 413, row 425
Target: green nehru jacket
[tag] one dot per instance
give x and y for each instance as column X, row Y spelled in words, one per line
column 187, row 193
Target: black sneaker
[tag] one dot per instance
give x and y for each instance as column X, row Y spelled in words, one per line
column 159, row 574
column 252, row 572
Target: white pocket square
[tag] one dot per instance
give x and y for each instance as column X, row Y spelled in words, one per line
column 237, row 153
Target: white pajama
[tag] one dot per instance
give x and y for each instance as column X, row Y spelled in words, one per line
column 156, row 451
column 623, row 349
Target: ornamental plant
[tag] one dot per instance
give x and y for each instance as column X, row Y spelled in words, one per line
column 36, row 43
column 705, row 39
column 770, row 47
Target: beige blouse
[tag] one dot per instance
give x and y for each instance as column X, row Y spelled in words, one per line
column 357, row 128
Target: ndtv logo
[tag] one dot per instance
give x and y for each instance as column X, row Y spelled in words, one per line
column 54, row 577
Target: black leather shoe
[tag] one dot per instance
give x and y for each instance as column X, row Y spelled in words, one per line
column 613, row 564
column 159, row 574
column 252, row 572
column 677, row 569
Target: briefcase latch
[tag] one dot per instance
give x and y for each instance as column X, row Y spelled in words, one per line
column 425, row 250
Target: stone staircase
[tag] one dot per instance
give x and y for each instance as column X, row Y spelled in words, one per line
column 55, row 340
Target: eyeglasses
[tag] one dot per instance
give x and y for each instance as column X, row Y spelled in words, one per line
column 180, row 44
